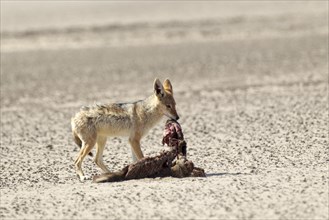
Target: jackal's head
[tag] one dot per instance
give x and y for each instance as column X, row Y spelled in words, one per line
column 164, row 93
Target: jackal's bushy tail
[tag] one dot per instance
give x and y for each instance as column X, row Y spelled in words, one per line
column 78, row 141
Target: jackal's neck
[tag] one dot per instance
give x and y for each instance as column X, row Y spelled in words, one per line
column 151, row 110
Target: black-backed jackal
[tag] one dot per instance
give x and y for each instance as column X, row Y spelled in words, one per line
column 92, row 125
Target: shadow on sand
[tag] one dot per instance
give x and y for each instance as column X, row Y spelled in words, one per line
column 226, row 174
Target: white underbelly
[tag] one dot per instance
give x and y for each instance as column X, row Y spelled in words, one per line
column 109, row 132
column 112, row 127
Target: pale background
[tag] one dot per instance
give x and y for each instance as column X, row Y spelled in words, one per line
column 250, row 81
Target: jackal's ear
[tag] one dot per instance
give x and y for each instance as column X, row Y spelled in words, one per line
column 158, row 88
column 167, row 86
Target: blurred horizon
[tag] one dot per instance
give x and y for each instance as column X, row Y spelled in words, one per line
column 21, row 16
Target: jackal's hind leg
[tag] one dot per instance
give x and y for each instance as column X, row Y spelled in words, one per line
column 101, row 141
column 85, row 149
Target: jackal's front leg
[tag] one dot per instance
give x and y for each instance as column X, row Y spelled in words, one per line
column 136, row 148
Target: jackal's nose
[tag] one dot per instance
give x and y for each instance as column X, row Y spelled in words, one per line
column 177, row 117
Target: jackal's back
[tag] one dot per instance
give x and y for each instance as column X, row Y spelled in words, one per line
column 106, row 119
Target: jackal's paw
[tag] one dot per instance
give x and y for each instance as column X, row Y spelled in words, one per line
column 84, row 178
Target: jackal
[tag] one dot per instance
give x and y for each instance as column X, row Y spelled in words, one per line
column 92, row 125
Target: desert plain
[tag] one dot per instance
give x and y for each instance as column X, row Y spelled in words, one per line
column 251, row 91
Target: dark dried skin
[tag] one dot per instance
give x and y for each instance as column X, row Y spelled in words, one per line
column 162, row 165
column 148, row 167
column 151, row 167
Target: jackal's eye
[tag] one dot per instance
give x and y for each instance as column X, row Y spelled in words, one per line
column 168, row 106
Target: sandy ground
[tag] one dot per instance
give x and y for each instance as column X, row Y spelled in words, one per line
column 254, row 113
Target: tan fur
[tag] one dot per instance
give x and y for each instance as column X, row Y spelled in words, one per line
column 167, row 86
column 93, row 124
